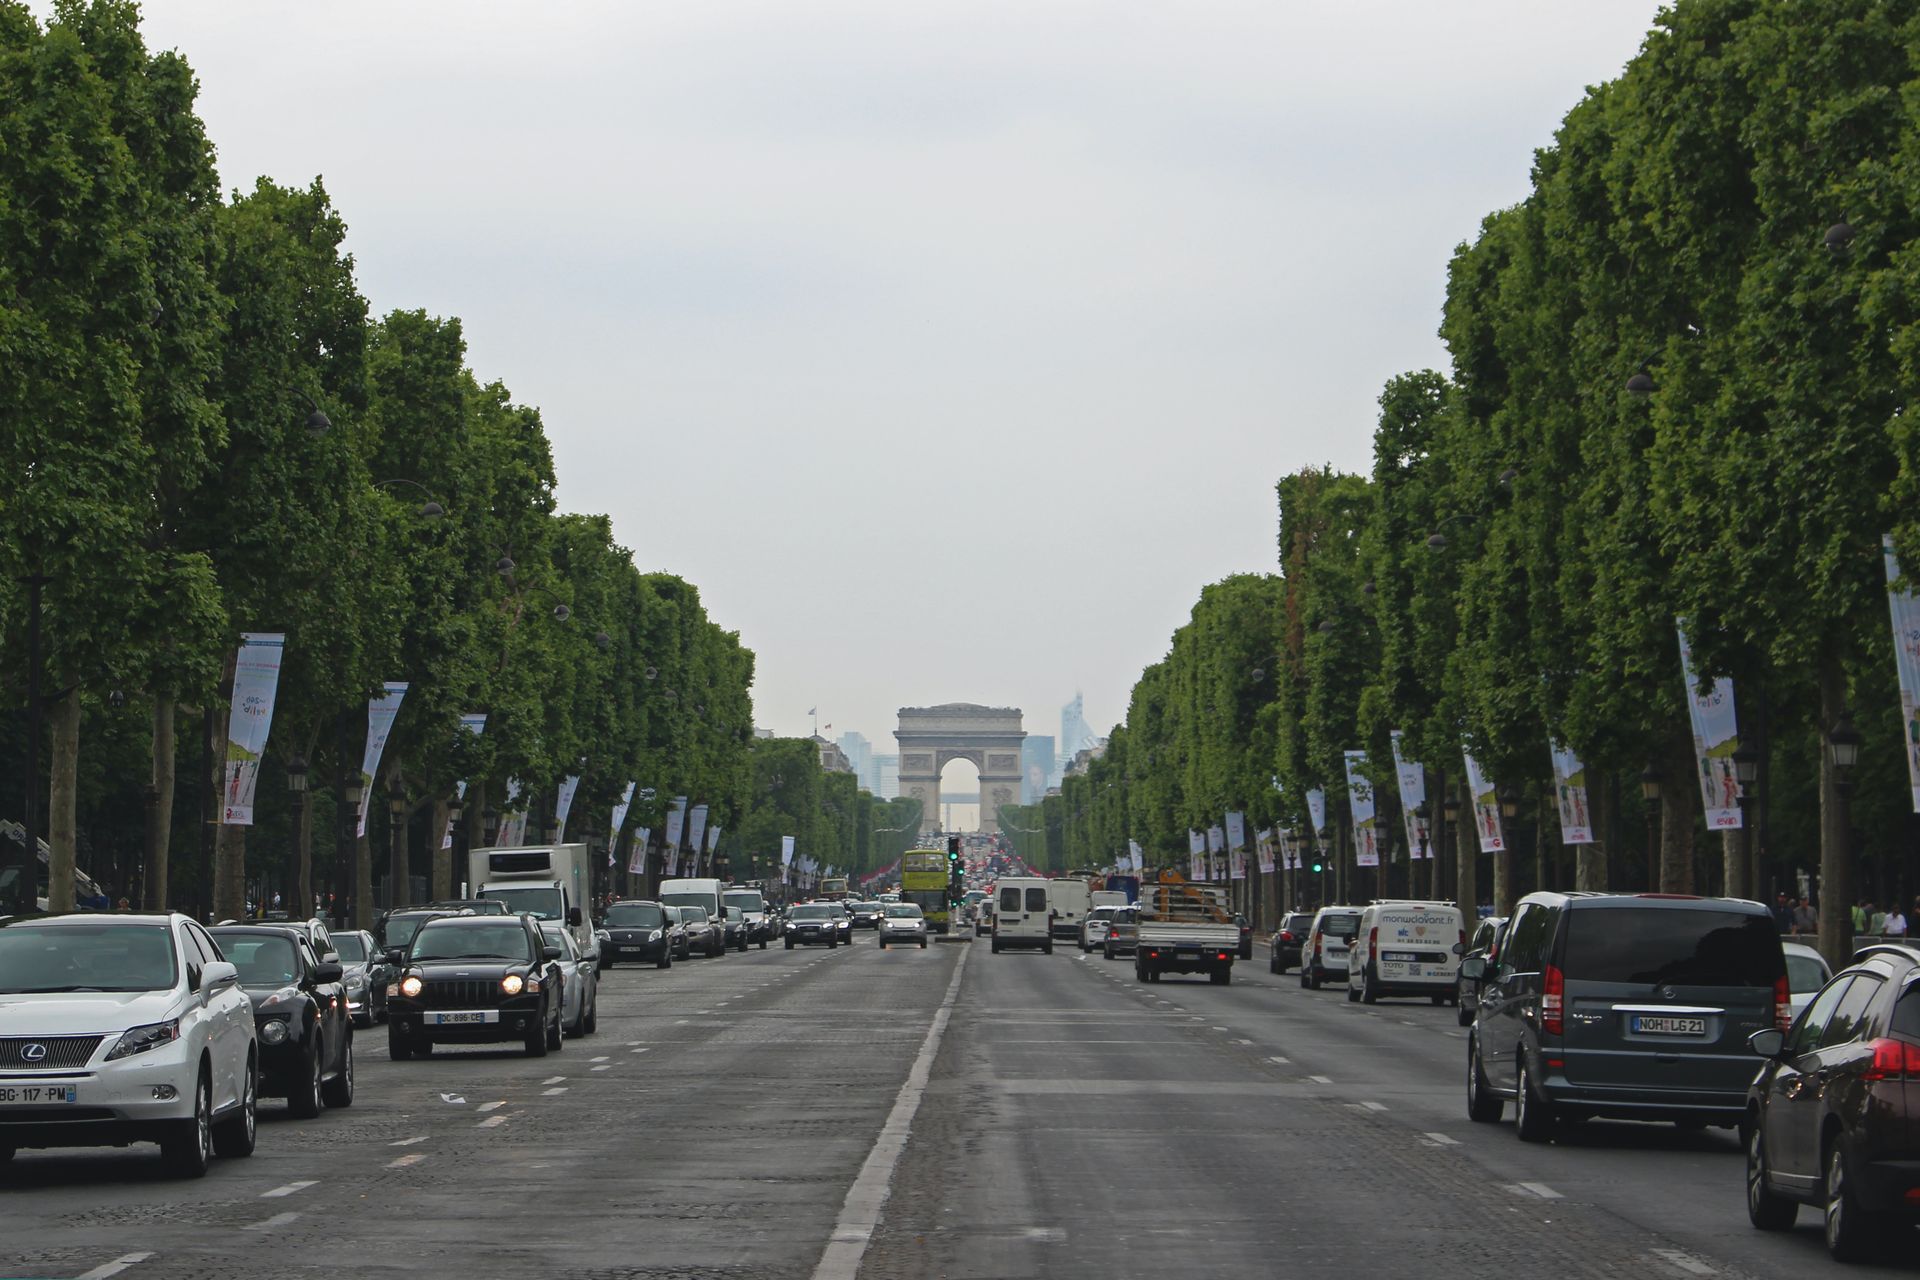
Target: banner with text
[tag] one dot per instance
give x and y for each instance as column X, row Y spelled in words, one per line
column 1317, row 812
column 637, row 851
column 1716, row 736
column 1236, row 831
column 256, row 684
column 1486, row 807
column 1570, row 789
column 1366, row 840
column 380, row 715
column 696, row 835
column 563, row 805
column 1905, row 607
column 1412, row 776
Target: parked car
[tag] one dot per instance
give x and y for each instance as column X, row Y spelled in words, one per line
column 1323, row 957
column 367, row 974
column 704, row 935
column 813, row 923
column 736, row 928
column 1093, row 930
column 1485, row 943
column 640, row 930
column 1628, row 1006
column 1283, row 948
column 143, row 1023
column 579, row 977
column 1830, row 1117
column 903, row 922
column 476, row 980
column 300, row 1016
column 1807, row 972
column 1123, row 933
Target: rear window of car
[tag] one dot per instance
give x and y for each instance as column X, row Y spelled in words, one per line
column 1036, row 899
column 1009, row 899
column 1805, row 974
column 1340, row 926
column 1649, row 946
column 1906, row 1014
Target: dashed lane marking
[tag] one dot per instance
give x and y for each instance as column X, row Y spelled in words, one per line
column 1243, row 1042
column 601, row 1058
column 1372, row 1106
column 1672, row 1257
column 554, row 1080
column 1538, row 1190
column 491, row 1122
column 408, row 1142
column 491, row 1106
column 1440, row 1140
column 289, row 1189
column 642, row 1049
column 1281, row 1062
column 603, row 1068
column 554, row 1092
column 268, row 1224
column 1321, row 1079
column 114, row 1268
column 404, row 1161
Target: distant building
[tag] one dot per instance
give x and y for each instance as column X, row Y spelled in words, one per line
column 886, row 777
column 832, row 758
column 1037, row 767
column 860, row 756
column 1075, row 736
column 1083, row 759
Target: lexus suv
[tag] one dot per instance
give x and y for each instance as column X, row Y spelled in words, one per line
column 476, row 980
column 124, row 1028
column 300, row 1014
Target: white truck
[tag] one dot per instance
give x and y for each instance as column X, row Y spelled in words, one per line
column 1071, row 902
column 547, row 881
column 1186, row 928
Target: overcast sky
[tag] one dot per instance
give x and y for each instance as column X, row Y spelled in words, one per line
column 950, row 348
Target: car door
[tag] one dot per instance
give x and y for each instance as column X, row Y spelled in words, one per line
column 1792, row 1112
column 1500, row 1025
column 330, row 999
column 228, row 1015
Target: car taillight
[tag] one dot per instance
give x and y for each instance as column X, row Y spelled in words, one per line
column 1552, row 1001
column 1893, row 1060
column 1782, row 1004
column 1223, row 955
column 1373, row 942
column 1316, row 947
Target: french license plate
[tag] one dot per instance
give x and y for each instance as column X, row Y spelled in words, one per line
column 1399, row 957
column 1670, row 1026
column 471, row 1018
column 31, row 1095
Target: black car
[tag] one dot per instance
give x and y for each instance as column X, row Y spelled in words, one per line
column 866, row 915
column 476, row 980
column 1283, row 948
column 737, row 929
column 367, row 975
column 1246, row 936
column 299, row 1015
column 396, row 928
column 1830, row 1117
column 814, row 922
column 640, row 930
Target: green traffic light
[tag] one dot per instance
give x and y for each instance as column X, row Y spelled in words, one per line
column 1316, row 866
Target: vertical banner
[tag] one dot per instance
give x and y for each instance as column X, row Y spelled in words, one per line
column 637, row 851
column 1905, row 607
column 513, row 824
column 1196, row 849
column 676, row 821
column 1366, row 840
column 380, row 715
column 564, row 806
column 696, row 834
column 1317, row 812
column 620, row 820
column 1716, row 736
column 1135, row 858
column 1237, row 864
column 1236, row 831
column 1216, row 851
column 786, row 851
column 1412, row 776
column 1486, row 807
column 1570, row 788
column 1263, row 849
column 256, row 683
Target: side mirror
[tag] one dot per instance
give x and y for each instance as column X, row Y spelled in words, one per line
column 1770, row 1043
column 550, row 953
column 396, row 956
column 328, row 971
column 1459, row 948
column 1474, row 968
column 573, row 917
column 217, row 974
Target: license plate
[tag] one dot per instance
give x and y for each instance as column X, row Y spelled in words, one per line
column 1399, row 957
column 472, row 1018
column 1670, row 1026
column 32, row 1095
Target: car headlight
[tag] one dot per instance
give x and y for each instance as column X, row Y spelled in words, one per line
column 274, row 1031
column 411, row 985
column 285, row 995
column 512, row 984
column 356, row 981
column 654, row 936
column 141, row 1039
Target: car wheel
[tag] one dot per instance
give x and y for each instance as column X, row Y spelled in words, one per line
column 923, row 944
column 1220, row 977
column 789, row 944
column 1439, row 999
column 339, row 1090
column 591, row 1023
column 235, row 1135
column 1767, row 1209
column 188, row 1147
column 1046, row 948
column 557, row 1033
column 537, row 1040
column 1246, row 952
column 883, row 944
column 1109, row 952
column 577, row 1027
column 666, row 959
column 1852, row 1233
column 1273, row 964
column 1310, row 981
column 763, row 944
column 303, row 1097
column 1353, row 994
column 1483, row 1104
column 606, row 963
column 1532, row 1114
column 1367, row 994
column 399, row 1046
column 1464, row 1016
column 6, row 1154
column 996, row 946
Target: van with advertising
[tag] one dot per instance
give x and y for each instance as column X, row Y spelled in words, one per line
column 1071, row 902
column 1022, row 913
column 1407, row 948
column 706, row 893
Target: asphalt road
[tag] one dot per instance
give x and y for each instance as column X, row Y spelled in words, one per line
column 938, row 1113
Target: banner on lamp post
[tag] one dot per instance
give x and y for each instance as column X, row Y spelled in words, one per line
column 256, row 684
column 564, row 806
column 676, row 822
column 381, row 712
column 1366, row 840
column 1716, row 736
column 1263, row 849
column 1236, row 831
column 696, row 834
column 1486, row 807
column 1412, row 777
column 786, row 851
column 1317, row 812
column 1570, row 790
column 1196, row 850
column 1237, row 864
column 637, row 851
column 1216, row 853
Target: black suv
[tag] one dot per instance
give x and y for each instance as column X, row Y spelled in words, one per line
column 300, row 1016
column 1283, row 949
column 476, row 980
column 1830, row 1117
column 1636, row 1007
column 639, row 930
column 396, row 928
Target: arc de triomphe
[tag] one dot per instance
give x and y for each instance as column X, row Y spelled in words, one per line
column 929, row 737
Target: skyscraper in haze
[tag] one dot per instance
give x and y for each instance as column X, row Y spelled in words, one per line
column 1074, row 734
column 860, row 756
column 1037, row 768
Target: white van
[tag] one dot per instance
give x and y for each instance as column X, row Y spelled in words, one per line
column 1071, row 902
column 1406, row 948
column 1323, row 957
column 1023, row 912
column 700, row 893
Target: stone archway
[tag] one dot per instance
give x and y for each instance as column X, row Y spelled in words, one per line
column 990, row 737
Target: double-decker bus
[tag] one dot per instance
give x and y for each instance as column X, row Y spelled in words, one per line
column 832, row 889
column 923, row 882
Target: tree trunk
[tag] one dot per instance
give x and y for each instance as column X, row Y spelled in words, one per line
column 1503, row 877
column 62, row 794
column 1679, row 801
column 363, row 906
column 301, row 899
column 160, row 813
column 230, row 872
column 441, row 833
column 1466, row 856
column 1836, row 867
column 1733, row 862
column 1590, row 860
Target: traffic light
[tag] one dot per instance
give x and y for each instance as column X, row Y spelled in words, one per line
column 953, row 850
column 1316, row 868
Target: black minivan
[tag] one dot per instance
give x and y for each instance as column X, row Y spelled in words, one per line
column 1630, row 1006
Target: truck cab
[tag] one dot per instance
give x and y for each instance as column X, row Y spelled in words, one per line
column 547, row 882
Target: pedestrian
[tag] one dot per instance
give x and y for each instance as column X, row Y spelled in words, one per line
column 1894, row 925
column 1860, row 917
column 123, row 905
column 1783, row 914
column 1877, row 919
column 1805, row 918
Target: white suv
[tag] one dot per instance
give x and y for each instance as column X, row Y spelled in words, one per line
column 124, row 1028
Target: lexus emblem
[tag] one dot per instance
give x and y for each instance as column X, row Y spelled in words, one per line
column 1668, row 993
column 33, row 1052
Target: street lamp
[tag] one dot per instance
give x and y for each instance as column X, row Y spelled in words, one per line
column 1641, row 384
column 397, row 868
column 1836, row 861
column 1650, row 792
column 1844, row 744
column 344, row 880
column 1839, row 236
column 1421, row 813
column 302, row 838
column 430, row 509
column 318, row 424
column 1746, row 770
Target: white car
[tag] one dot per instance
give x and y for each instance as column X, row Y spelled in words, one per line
column 579, row 983
column 1807, row 972
column 1093, row 930
column 124, row 1028
column 903, row 922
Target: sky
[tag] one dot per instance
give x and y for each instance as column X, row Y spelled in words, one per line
column 949, row 348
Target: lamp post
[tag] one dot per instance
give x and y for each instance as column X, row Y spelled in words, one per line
column 1450, row 814
column 1322, row 836
column 1420, row 814
column 444, row 876
column 302, row 905
column 1746, row 770
column 398, row 892
column 1503, row 860
column 1650, row 793
column 1836, row 847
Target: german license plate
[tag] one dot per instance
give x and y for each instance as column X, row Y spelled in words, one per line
column 37, row 1095
column 1670, row 1026
column 1399, row 957
column 470, row 1018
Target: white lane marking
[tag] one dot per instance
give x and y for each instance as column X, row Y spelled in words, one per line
column 1281, row 1062
column 1371, row 1106
column 553, row 1080
column 404, row 1161
column 288, row 1190
column 1673, row 1257
column 632, row 1043
column 1542, row 1190
column 640, row 1050
column 491, row 1106
column 867, row 1197
column 1320, row 1079
column 554, row 1092
column 1440, row 1140
column 601, row 1058
column 681, row 1023
column 407, row 1142
column 268, row 1224
column 1243, row 1042
column 603, row 1068
column 491, row 1122
column 114, row 1268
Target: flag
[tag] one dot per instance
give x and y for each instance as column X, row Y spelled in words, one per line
column 256, row 683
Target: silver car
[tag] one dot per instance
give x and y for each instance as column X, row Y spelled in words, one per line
column 903, row 922
column 580, row 980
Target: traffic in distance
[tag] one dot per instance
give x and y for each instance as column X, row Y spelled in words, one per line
column 127, row 1036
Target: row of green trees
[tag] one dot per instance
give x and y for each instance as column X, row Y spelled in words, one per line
column 207, row 432
column 1679, row 377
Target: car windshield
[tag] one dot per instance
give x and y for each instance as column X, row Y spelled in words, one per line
column 813, row 913
column 350, row 947
column 541, row 904
column 1340, row 926
column 644, row 916
column 734, row 916
column 746, row 900
column 1805, row 973
column 506, row 941
column 903, row 911
column 1650, row 946
column 400, row 929
column 694, row 915
column 263, row 960
column 86, row 957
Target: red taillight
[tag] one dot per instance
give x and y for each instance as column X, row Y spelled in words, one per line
column 1316, row 948
column 1553, row 993
column 1782, row 1003
column 1373, row 942
column 1223, row 955
column 1893, row 1060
